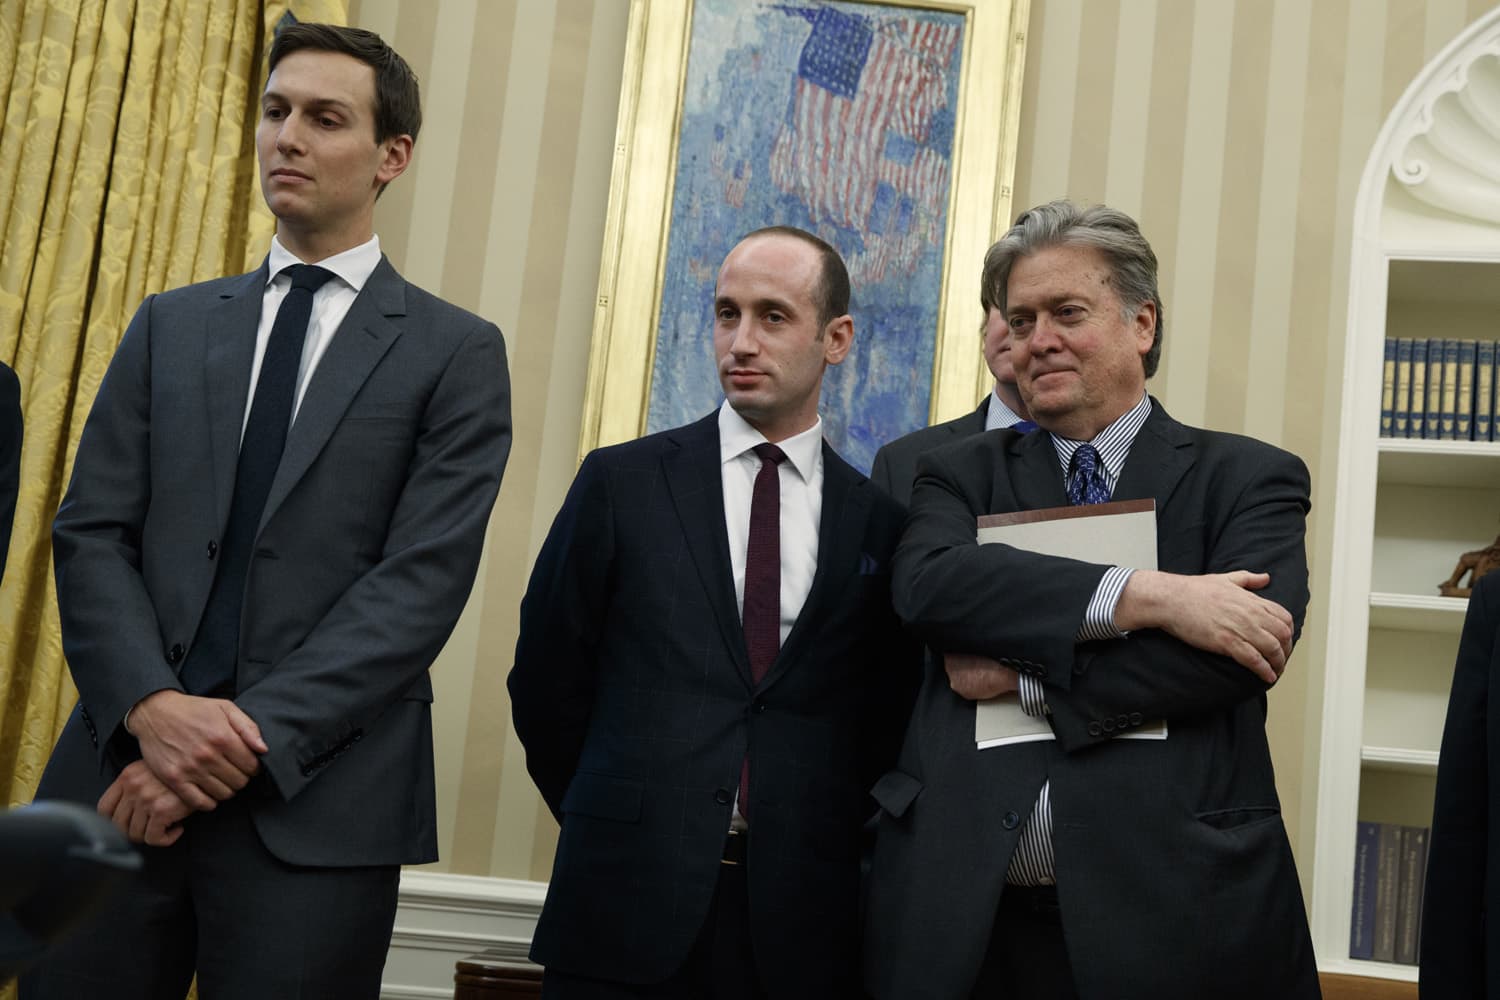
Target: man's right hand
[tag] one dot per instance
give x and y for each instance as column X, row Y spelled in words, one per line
column 1217, row 613
column 203, row 749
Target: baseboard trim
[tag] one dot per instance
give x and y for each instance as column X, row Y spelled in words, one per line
column 442, row 919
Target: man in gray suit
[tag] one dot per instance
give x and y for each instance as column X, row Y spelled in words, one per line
column 896, row 462
column 275, row 518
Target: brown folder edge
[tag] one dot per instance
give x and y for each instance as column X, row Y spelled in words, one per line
column 1062, row 513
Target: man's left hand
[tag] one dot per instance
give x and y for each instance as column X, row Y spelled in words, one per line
column 143, row 808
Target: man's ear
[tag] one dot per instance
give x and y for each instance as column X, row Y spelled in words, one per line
column 397, row 158
column 838, row 337
column 1144, row 326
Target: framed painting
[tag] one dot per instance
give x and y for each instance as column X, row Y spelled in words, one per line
column 886, row 127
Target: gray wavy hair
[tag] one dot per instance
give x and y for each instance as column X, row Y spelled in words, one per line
column 1116, row 236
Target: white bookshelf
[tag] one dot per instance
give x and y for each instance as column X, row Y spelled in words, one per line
column 1426, row 263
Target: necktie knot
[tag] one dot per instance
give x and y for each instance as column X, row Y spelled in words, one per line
column 308, row 277
column 1086, row 485
column 768, row 452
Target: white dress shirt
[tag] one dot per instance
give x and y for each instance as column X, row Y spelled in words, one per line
column 801, row 506
column 331, row 303
column 998, row 415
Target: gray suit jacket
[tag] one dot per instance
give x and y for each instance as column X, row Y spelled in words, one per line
column 895, row 466
column 1175, row 875
column 366, row 553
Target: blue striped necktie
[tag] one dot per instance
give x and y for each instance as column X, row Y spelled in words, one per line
column 1086, row 483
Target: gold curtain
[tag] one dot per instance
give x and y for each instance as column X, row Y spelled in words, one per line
column 127, row 165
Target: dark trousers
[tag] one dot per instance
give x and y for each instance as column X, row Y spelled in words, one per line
column 719, row 967
column 251, row 926
column 1028, row 956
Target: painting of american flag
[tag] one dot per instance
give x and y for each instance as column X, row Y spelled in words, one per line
column 838, row 118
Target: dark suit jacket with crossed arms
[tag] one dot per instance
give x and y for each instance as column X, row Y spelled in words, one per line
column 1175, row 875
column 365, row 555
column 633, row 696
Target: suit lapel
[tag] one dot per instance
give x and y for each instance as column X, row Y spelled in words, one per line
column 846, row 506
column 1159, row 457
column 1031, row 472
column 697, row 486
column 229, row 350
column 361, row 341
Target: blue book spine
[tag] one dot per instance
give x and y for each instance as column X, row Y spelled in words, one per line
column 1463, row 412
column 1448, row 394
column 1401, row 401
column 1432, row 427
column 1387, row 387
column 1484, row 390
column 1362, row 918
column 1418, row 422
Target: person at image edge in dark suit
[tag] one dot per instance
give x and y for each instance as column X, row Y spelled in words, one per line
column 709, row 675
column 10, row 456
column 1089, row 866
column 895, row 464
column 276, row 514
column 1460, row 946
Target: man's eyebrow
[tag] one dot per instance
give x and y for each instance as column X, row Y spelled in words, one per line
column 316, row 104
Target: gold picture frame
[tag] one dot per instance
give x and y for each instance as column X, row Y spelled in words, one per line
column 986, row 122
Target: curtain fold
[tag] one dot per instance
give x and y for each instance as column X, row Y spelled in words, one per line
column 127, row 166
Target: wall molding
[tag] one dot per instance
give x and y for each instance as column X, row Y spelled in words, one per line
column 1447, row 142
column 442, row 919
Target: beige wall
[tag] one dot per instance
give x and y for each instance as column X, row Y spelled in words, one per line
column 1235, row 131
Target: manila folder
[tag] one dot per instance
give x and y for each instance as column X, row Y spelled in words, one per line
column 1120, row 533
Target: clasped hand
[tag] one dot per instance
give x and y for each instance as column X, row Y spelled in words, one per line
column 196, row 752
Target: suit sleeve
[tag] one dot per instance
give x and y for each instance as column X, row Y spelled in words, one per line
column 880, row 469
column 110, row 632
column 10, row 456
column 553, row 680
column 1454, row 906
column 390, row 624
column 1025, row 609
column 1262, row 529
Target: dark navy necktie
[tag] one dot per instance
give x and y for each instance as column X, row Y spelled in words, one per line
column 1086, row 484
column 210, row 666
column 761, row 616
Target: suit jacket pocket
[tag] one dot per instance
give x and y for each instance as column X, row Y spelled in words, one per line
column 895, row 792
column 604, row 796
column 1229, row 819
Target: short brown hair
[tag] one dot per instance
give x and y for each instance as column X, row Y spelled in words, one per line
column 398, row 100
column 832, row 291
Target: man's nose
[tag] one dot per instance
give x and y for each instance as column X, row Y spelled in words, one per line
column 289, row 135
column 744, row 340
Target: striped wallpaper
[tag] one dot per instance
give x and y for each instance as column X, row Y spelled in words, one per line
column 1235, row 130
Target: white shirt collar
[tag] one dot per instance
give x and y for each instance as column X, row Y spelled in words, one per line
column 353, row 266
column 736, row 437
column 998, row 414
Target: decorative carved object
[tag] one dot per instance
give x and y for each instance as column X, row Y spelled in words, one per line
column 1475, row 564
column 1448, row 151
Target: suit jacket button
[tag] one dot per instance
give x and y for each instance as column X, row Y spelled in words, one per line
column 175, row 654
column 1123, row 722
column 1109, row 725
column 213, row 548
column 1011, row 820
column 1135, row 718
column 760, row 705
column 722, row 796
column 1094, row 729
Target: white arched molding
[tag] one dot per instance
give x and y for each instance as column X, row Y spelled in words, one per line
column 1446, row 144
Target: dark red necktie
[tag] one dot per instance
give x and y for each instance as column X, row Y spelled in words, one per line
column 761, row 617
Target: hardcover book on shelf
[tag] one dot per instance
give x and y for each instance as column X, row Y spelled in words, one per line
column 1401, row 401
column 1448, row 395
column 1463, row 411
column 1387, row 387
column 1484, row 390
column 1409, row 892
column 1387, row 872
column 1417, row 423
column 1362, row 913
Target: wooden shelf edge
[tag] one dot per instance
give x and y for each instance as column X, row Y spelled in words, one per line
column 1399, row 759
